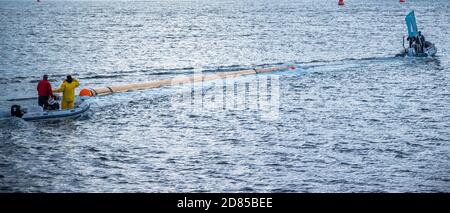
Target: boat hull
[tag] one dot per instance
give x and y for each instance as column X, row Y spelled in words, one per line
column 410, row 52
column 57, row 114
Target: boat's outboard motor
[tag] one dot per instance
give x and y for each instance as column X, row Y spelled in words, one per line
column 16, row 111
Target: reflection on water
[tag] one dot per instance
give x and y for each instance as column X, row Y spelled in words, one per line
column 351, row 117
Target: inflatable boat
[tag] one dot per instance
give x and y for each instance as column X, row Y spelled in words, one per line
column 416, row 40
column 81, row 106
column 428, row 51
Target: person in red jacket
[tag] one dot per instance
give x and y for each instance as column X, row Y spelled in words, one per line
column 44, row 91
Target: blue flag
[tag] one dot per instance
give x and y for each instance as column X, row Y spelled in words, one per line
column 411, row 24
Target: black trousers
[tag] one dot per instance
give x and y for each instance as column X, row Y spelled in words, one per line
column 43, row 101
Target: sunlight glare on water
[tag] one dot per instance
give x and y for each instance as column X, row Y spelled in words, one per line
column 350, row 118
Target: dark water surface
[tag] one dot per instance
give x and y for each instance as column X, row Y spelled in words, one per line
column 350, row 118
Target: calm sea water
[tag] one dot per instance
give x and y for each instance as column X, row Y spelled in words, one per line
column 350, row 118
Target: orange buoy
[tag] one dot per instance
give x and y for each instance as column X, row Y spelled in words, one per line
column 401, row 1
column 341, row 2
column 86, row 92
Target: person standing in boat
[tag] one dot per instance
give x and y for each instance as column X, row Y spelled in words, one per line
column 68, row 89
column 421, row 40
column 410, row 40
column 44, row 89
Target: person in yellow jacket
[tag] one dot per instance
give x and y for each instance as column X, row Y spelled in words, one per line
column 68, row 90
